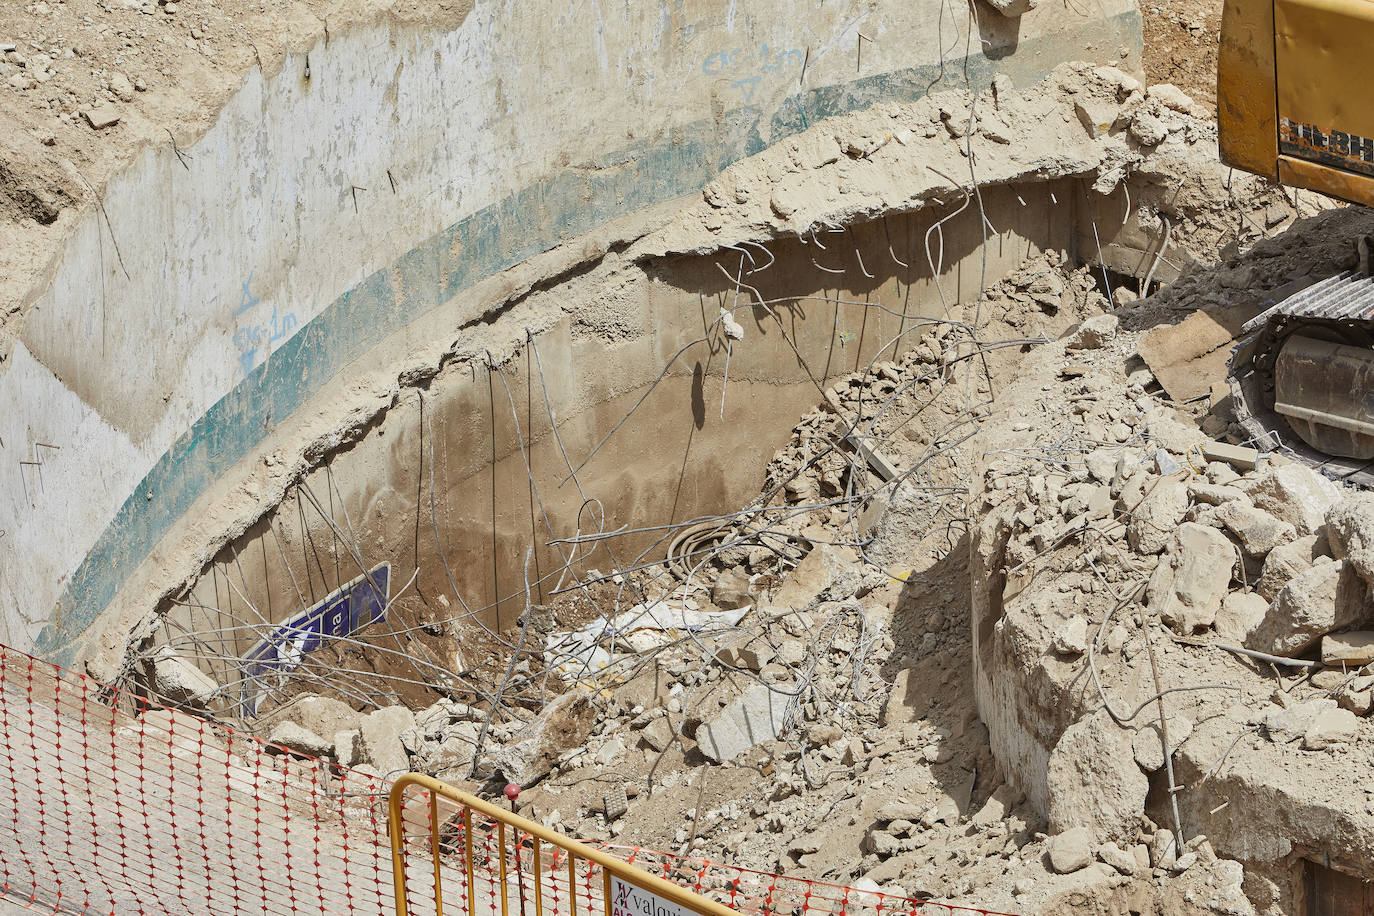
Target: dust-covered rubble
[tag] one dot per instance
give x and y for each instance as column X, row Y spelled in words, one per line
column 1128, row 578
column 798, row 701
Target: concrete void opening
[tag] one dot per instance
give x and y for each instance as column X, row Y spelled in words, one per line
column 812, row 431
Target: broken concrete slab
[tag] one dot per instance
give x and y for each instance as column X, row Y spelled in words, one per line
column 756, row 716
column 1293, row 493
column 1325, row 598
column 1189, row 357
column 300, row 740
column 1071, row 850
column 1187, row 587
column 1258, row 531
column 380, row 733
column 178, row 680
column 1094, row 782
column 1350, row 649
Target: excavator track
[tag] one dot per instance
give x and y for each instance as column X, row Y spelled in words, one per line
column 1302, row 378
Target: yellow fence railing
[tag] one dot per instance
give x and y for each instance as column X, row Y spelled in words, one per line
column 449, row 845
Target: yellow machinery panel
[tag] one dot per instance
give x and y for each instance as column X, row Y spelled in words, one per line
column 1247, row 117
column 1292, row 100
column 1322, row 49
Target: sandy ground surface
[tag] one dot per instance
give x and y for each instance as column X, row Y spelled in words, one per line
column 1181, row 39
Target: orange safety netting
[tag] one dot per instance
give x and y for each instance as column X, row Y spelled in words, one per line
column 109, row 804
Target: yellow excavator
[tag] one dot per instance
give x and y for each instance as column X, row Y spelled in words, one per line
column 1293, row 104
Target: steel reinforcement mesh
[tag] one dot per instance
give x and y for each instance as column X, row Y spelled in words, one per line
column 111, row 805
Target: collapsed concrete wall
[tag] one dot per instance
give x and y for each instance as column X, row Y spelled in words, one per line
column 338, row 202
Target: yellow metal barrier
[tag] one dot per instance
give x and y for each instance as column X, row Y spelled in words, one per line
column 468, row 867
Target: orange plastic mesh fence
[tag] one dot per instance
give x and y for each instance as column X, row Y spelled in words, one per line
column 109, row 805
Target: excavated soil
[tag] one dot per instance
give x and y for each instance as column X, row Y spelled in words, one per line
column 1181, row 38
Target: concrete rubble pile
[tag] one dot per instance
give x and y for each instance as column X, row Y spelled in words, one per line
column 1154, row 608
column 799, row 688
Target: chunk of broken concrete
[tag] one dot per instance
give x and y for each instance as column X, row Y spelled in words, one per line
column 731, row 591
column 1285, row 562
column 1350, row 532
column 1071, row 850
column 178, row 680
column 1330, row 728
column 1095, row 333
column 1117, row 858
column 1351, row 649
column 1157, row 515
column 817, row 571
column 1325, row 598
column 1094, row 782
column 1014, row 8
column 752, row 655
column 658, row 734
column 610, row 752
column 1002, row 800
column 1098, row 116
column 755, row 717
column 1072, row 638
column 321, row 715
column 1187, row 587
column 101, row 117
column 1237, row 456
column 1240, row 614
column 1215, row 494
column 1294, row 493
column 300, row 740
column 348, row 747
column 1358, row 702
column 451, row 754
column 1148, row 742
column 1258, row 531
column 1284, row 726
column 562, row 725
column 380, row 733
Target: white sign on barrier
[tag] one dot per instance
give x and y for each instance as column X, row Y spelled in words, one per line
column 630, row 900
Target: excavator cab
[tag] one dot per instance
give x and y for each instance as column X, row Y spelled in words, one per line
column 1293, row 104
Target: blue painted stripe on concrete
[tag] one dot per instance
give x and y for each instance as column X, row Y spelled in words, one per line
column 533, row 220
